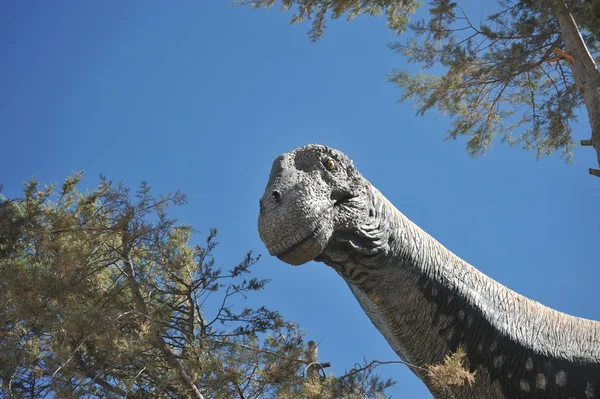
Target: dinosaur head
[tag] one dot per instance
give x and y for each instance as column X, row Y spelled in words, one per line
column 314, row 195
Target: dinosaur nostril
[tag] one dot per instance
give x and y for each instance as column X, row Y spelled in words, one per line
column 276, row 195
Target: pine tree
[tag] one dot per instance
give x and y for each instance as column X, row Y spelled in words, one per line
column 521, row 74
column 103, row 295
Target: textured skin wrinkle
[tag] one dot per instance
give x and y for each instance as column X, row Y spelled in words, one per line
column 424, row 300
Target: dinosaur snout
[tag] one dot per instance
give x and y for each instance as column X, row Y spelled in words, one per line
column 291, row 224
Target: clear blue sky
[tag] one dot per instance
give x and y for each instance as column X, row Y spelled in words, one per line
column 202, row 96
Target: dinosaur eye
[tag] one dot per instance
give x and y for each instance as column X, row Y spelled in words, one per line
column 330, row 164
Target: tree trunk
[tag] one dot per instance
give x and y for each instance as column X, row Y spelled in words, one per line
column 312, row 360
column 313, row 366
column 585, row 72
column 168, row 354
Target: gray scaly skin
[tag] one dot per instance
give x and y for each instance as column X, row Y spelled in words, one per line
column 425, row 300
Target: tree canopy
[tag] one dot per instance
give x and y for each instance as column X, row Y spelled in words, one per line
column 104, row 295
column 521, row 73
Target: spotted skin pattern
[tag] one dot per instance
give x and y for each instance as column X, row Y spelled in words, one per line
column 424, row 300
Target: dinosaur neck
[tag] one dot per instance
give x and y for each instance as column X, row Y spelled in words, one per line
column 426, row 302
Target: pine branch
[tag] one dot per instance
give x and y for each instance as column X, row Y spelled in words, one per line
column 143, row 309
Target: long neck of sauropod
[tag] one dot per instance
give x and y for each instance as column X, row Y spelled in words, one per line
column 427, row 302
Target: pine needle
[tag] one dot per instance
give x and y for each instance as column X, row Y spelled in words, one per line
column 451, row 372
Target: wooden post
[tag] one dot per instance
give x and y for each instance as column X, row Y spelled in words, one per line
column 313, row 367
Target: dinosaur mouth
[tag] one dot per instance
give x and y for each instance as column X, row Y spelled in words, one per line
column 312, row 241
column 345, row 200
column 304, row 242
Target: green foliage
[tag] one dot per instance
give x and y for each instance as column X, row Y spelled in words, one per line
column 493, row 78
column 497, row 79
column 395, row 11
column 103, row 295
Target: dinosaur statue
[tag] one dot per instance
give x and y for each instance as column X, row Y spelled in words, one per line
column 426, row 301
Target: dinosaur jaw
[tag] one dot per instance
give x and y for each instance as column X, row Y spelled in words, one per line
column 306, row 249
